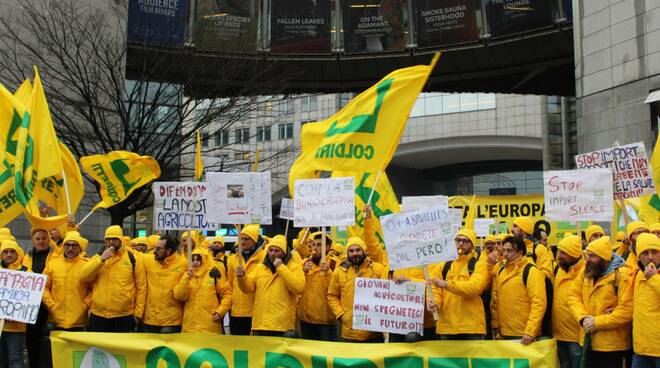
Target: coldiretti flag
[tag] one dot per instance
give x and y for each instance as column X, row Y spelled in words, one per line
column 89, row 349
column 119, row 173
column 363, row 136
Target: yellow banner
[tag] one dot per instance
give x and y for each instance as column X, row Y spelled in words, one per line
column 86, row 350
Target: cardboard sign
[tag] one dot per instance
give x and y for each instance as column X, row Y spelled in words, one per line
column 181, row 206
column 630, row 168
column 286, row 209
column 20, row 295
column 418, row 238
column 324, row 202
column 240, row 198
column 417, row 202
column 578, row 195
column 482, row 226
column 383, row 306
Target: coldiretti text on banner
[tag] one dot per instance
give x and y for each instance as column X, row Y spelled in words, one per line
column 82, row 350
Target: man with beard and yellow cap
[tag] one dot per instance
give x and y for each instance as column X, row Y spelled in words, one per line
column 565, row 326
column 12, row 340
column 457, row 289
column 277, row 283
column 540, row 255
column 646, row 303
column 633, row 230
column 249, row 254
column 601, row 301
column 65, row 292
column 342, row 288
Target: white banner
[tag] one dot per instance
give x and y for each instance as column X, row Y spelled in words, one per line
column 181, row 206
column 240, row 198
column 418, row 238
column 324, row 202
column 419, row 202
column 482, row 226
column 286, row 209
column 630, row 168
column 20, row 295
column 456, row 218
column 578, row 195
column 383, row 306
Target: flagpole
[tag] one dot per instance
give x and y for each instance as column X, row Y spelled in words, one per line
column 66, row 191
column 374, row 188
column 86, row 216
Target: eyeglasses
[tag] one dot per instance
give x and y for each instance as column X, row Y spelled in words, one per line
column 70, row 245
column 461, row 240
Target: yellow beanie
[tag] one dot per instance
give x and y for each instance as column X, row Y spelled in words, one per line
column 141, row 240
column 468, row 233
column 601, row 247
column 489, row 239
column 525, row 223
column 593, row 229
column 114, row 232
column 194, row 236
column 217, row 239
column 278, row 241
column 646, row 242
column 5, row 232
column 339, row 248
column 76, row 237
column 319, row 234
column 356, row 241
column 251, row 231
column 152, row 241
column 502, row 236
column 654, row 227
column 571, row 245
column 11, row 244
column 620, row 236
column 635, row 225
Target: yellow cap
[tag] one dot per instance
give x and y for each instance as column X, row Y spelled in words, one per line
column 251, row 231
column 525, row 223
column 468, row 233
column 593, row 229
column 278, row 241
column 152, row 240
column 647, row 242
column 601, row 247
column 571, row 245
column 489, row 239
column 11, row 244
column 319, row 234
column 194, row 236
column 141, row 240
column 356, row 241
column 5, row 232
column 654, row 226
column 76, row 237
column 620, row 236
column 217, row 239
column 114, row 232
column 635, row 225
column 339, row 248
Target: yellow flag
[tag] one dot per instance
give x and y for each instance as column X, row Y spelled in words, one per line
column 51, row 190
column 363, row 136
column 472, row 212
column 11, row 115
column 119, row 173
column 199, row 164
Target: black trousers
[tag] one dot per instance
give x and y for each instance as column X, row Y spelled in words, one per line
column 313, row 331
column 159, row 329
column 36, row 341
column 240, row 325
column 610, row 359
column 268, row 333
column 118, row 324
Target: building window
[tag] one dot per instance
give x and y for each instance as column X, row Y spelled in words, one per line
column 263, row 134
column 344, row 99
column 285, row 131
column 309, row 104
column 242, row 135
column 221, row 138
column 205, row 139
column 243, row 156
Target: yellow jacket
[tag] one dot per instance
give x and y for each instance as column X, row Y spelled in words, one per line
column 646, row 313
column 517, row 308
column 160, row 306
column 242, row 303
column 564, row 325
column 65, row 294
column 543, row 257
column 118, row 288
column 203, row 296
column 460, row 307
column 12, row 326
column 374, row 249
column 313, row 306
column 341, row 291
column 416, row 274
column 276, row 295
column 609, row 300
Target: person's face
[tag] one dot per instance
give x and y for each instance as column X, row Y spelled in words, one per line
column 41, row 240
column 55, row 234
column 509, row 253
column 317, row 247
column 595, row 236
column 635, row 234
column 196, row 261
column 650, row 256
column 355, row 255
column 275, row 252
column 516, row 230
column 246, row 242
column 489, row 245
column 544, row 238
column 565, row 261
column 160, row 252
column 9, row 256
column 113, row 242
column 498, row 246
column 216, row 246
column 594, row 266
column 142, row 248
column 71, row 249
column 463, row 245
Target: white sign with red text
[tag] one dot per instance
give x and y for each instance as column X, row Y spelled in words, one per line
column 578, row 195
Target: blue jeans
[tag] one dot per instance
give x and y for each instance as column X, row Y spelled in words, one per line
column 569, row 354
column 642, row 361
column 12, row 346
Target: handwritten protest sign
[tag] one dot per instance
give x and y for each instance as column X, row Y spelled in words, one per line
column 630, row 168
column 417, row 202
column 324, row 202
column 482, row 226
column 286, row 209
column 240, row 198
column 20, row 295
column 578, row 195
column 383, row 306
column 418, row 238
column 181, row 206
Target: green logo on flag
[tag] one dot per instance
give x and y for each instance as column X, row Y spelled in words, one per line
column 363, row 123
column 121, row 169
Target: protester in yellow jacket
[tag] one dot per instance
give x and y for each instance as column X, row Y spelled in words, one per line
column 277, row 283
column 565, row 328
column 250, row 253
column 457, row 289
column 629, row 253
column 119, row 286
column 65, row 293
column 374, row 248
column 207, row 299
column 316, row 319
column 12, row 340
column 646, row 303
column 339, row 252
column 301, row 243
column 601, row 300
column 140, row 244
column 341, row 289
column 518, row 307
column 540, row 255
